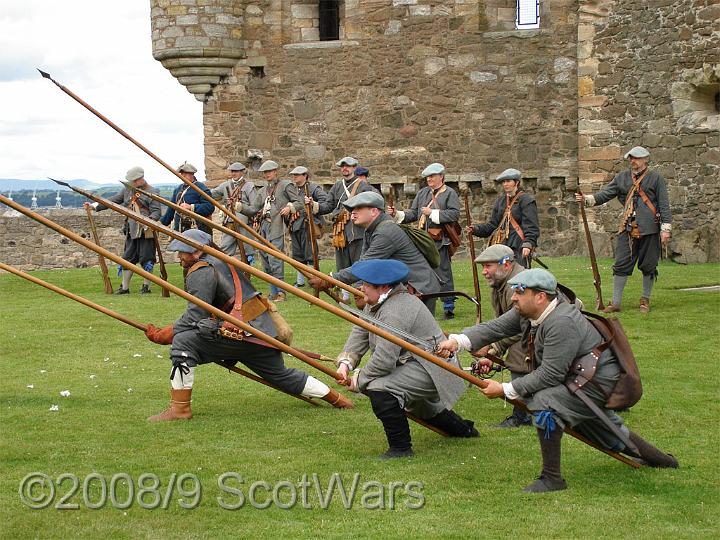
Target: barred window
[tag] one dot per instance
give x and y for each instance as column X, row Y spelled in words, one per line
column 527, row 14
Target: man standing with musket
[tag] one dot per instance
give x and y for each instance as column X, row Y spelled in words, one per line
column 188, row 198
column 557, row 336
column 645, row 224
column 514, row 220
column 139, row 240
column 238, row 195
column 436, row 208
column 498, row 267
column 275, row 203
column 346, row 237
column 302, row 250
column 198, row 338
column 394, row 379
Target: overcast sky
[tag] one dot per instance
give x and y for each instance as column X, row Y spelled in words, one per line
column 101, row 51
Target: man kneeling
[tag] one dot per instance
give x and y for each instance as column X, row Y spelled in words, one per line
column 394, row 379
column 195, row 337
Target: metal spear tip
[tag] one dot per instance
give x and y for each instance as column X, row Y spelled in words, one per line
column 60, row 182
column 45, row 74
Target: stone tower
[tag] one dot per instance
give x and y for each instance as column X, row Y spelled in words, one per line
column 402, row 83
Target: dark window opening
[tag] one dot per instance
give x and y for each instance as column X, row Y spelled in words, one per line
column 329, row 15
column 257, row 71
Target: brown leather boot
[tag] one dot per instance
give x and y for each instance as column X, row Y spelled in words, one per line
column 644, row 305
column 611, row 308
column 179, row 407
column 337, row 400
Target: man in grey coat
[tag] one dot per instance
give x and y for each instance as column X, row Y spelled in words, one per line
column 498, row 267
column 394, row 379
column 436, row 208
column 384, row 239
column 139, row 240
column 238, row 195
column 646, row 222
column 347, row 237
column 302, row 250
column 196, row 336
column 556, row 334
column 274, row 204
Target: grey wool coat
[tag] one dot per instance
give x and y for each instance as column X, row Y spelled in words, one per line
column 654, row 187
column 384, row 239
column 500, row 299
column 447, row 202
column 228, row 192
column 405, row 312
column 282, row 192
column 562, row 337
column 337, row 195
column 143, row 204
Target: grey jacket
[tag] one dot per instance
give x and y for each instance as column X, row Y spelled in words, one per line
column 562, row 337
column 244, row 192
column 143, row 205
column 318, row 195
column 501, row 303
column 655, row 188
column 447, row 202
column 384, row 239
column 281, row 193
column 214, row 284
column 405, row 312
column 333, row 205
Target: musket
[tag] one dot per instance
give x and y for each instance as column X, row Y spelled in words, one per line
column 309, row 221
column 471, row 245
column 424, row 345
column 210, row 223
column 593, row 261
column 538, row 260
column 135, row 324
column 163, row 270
column 101, row 259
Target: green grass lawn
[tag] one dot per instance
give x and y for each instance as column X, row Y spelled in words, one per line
column 116, row 378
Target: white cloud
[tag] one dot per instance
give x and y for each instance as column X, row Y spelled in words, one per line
column 101, row 51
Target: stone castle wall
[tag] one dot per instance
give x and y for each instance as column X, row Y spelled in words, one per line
column 649, row 74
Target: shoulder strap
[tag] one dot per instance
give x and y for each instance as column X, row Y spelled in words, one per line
column 507, row 216
column 197, row 266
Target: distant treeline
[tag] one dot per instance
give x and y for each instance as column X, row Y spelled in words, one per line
column 69, row 199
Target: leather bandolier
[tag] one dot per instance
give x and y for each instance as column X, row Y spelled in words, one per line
column 502, row 233
column 340, row 220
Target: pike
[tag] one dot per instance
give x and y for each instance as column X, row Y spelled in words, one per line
column 471, row 244
column 101, row 259
column 135, row 324
column 593, row 261
column 178, row 291
column 353, row 319
column 427, row 345
column 210, row 223
column 125, row 134
column 310, row 222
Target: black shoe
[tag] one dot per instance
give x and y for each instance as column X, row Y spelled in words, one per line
column 393, row 453
column 513, row 421
column 145, row 289
column 544, row 485
column 298, row 285
column 122, row 291
column 449, row 315
column 453, row 424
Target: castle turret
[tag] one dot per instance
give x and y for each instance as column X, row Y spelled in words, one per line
column 198, row 42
